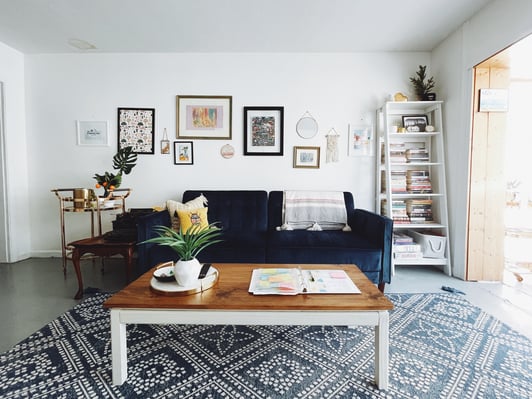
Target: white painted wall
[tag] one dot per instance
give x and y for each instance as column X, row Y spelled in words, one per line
column 496, row 27
column 14, row 180
column 336, row 89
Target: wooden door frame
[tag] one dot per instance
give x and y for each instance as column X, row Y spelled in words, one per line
column 487, row 186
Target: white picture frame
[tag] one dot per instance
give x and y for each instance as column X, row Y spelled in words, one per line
column 360, row 140
column 93, row 133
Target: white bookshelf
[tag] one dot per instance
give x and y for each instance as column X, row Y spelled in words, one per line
column 389, row 115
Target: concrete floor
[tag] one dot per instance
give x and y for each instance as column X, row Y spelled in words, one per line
column 34, row 292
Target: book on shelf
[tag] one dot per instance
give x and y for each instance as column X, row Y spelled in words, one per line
column 418, row 182
column 400, row 238
column 417, row 155
column 294, row 281
column 408, row 255
column 406, row 248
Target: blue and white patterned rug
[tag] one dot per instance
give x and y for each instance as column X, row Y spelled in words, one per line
column 441, row 347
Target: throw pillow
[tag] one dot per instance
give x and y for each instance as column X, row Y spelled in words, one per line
column 174, row 206
column 193, row 217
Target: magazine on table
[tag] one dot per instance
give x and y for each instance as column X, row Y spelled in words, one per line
column 293, row 281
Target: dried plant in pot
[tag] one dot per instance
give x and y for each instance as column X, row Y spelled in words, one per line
column 187, row 244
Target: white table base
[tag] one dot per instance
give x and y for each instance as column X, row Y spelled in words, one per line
column 121, row 317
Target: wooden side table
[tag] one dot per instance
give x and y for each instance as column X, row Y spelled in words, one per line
column 99, row 247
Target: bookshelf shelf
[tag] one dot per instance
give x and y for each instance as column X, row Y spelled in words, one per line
column 411, row 181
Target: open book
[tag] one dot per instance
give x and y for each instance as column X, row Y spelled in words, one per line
column 293, row 281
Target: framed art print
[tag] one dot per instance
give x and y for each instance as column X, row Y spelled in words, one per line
column 493, row 100
column 360, row 140
column 204, row 117
column 183, row 153
column 307, row 157
column 93, row 133
column 263, row 130
column 415, row 123
column 136, row 128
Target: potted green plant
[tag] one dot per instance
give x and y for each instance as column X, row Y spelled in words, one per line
column 123, row 161
column 423, row 88
column 187, row 245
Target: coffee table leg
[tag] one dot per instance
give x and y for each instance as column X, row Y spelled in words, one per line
column 382, row 343
column 118, row 348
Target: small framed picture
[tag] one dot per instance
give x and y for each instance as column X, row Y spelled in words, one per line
column 263, row 130
column 165, row 146
column 493, row 100
column 93, row 133
column 204, row 117
column 136, row 128
column 183, row 153
column 307, row 157
column 415, row 123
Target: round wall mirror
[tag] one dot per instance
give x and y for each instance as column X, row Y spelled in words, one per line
column 307, row 127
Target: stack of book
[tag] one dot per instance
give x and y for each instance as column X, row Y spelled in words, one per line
column 397, row 153
column 399, row 215
column 418, row 182
column 397, row 181
column 404, row 247
column 419, row 210
column 416, row 155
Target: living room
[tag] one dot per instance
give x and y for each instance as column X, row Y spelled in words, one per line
column 46, row 92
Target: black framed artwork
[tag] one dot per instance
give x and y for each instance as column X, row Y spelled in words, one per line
column 136, row 129
column 263, row 130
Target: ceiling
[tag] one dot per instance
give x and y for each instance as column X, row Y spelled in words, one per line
column 47, row 26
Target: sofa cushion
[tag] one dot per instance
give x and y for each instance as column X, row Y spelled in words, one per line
column 329, row 247
column 235, row 210
column 237, row 247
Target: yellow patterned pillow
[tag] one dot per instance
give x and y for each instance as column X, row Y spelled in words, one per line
column 193, row 217
column 174, row 206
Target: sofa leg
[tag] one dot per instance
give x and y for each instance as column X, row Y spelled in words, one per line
column 381, row 287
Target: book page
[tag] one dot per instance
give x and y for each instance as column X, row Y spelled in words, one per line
column 329, row 282
column 276, row 281
column 293, row 281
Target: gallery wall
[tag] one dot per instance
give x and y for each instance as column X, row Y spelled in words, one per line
column 336, row 89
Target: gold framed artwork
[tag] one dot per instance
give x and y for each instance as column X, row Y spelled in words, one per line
column 204, row 117
column 307, row 157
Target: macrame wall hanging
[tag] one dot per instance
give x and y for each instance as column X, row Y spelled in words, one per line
column 332, row 146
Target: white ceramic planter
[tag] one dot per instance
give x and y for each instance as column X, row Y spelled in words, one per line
column 186, row 272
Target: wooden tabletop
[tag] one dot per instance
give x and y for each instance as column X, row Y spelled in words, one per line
column 99, row 241
column 231, row 293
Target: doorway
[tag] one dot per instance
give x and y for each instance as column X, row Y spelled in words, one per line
column 500, row 207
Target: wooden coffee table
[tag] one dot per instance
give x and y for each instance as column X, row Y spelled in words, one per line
column 229, row 302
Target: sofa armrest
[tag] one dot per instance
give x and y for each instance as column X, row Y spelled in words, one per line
column 378, row 230
column 145, row 231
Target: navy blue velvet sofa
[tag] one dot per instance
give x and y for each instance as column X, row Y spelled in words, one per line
column 249, row 220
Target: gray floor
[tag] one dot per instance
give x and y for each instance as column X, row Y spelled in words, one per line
column 34, row 292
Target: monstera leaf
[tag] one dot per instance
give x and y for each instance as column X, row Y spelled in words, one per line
column 124, row 160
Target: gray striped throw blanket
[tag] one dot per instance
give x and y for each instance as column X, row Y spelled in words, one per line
column 314, row 210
